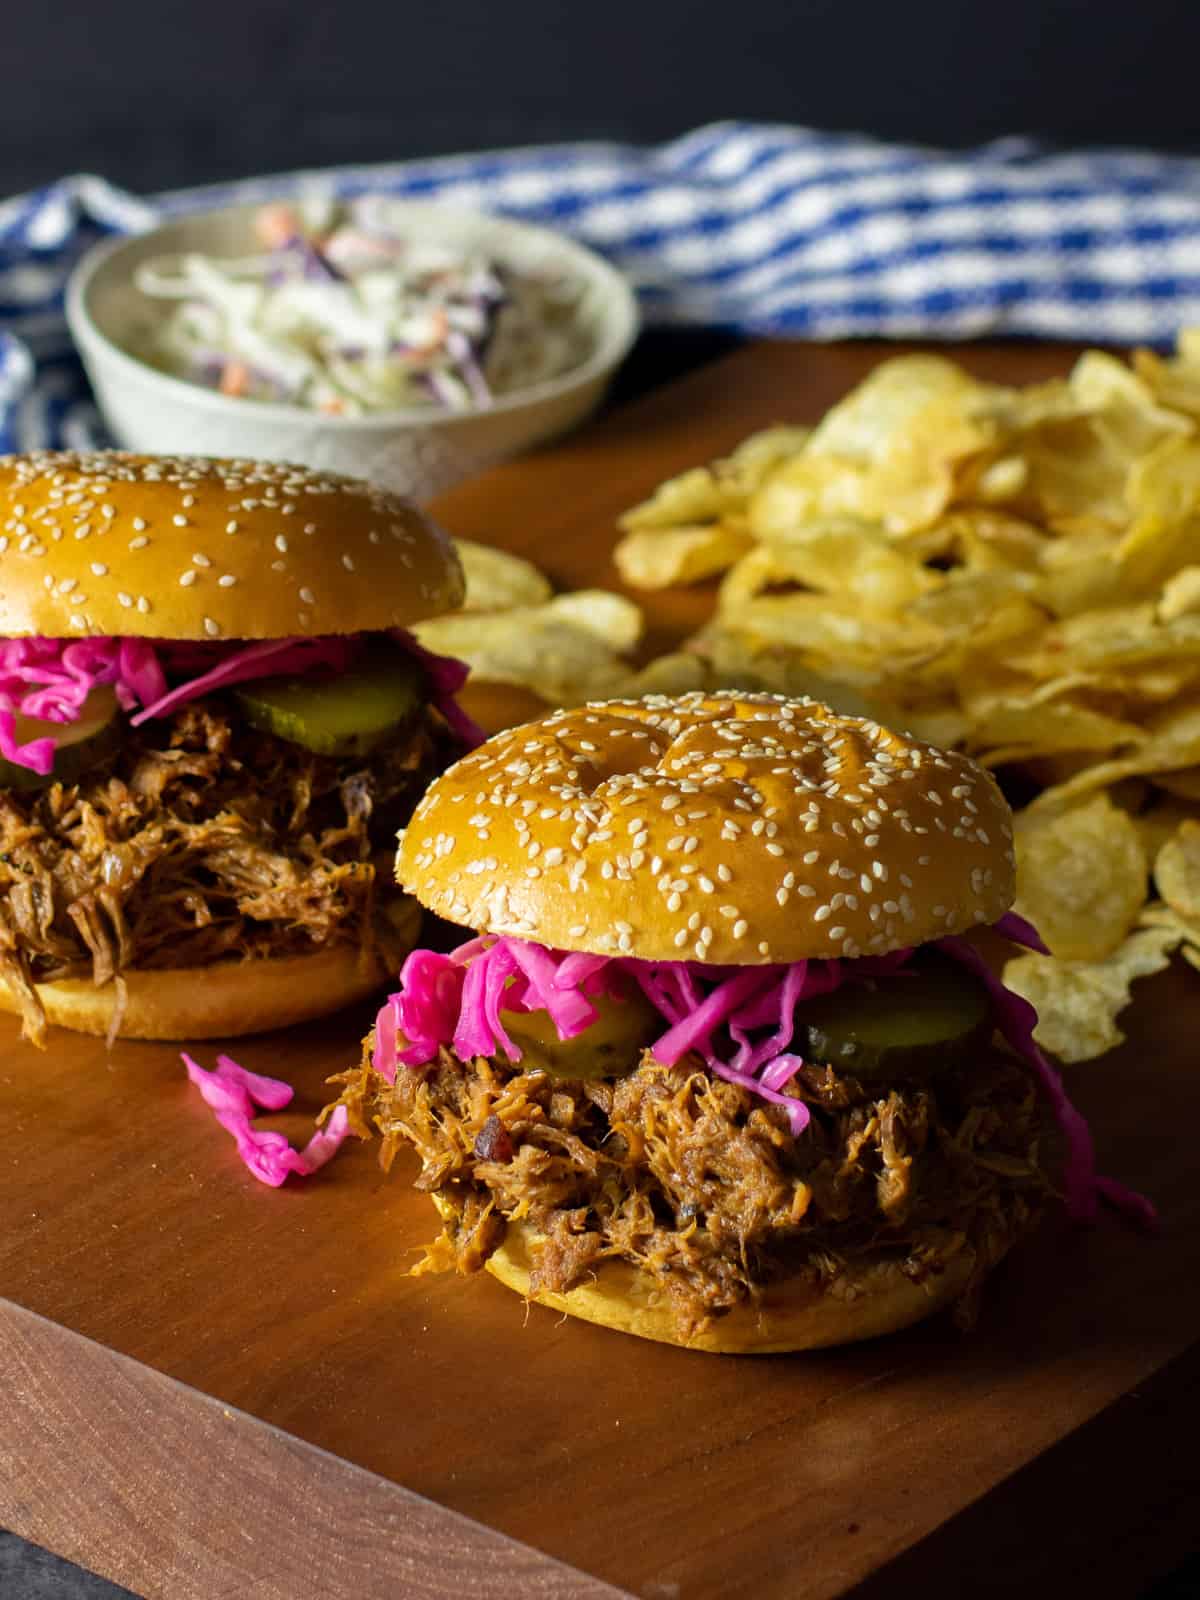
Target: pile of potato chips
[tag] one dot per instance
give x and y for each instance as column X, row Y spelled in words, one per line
column 1012, row 571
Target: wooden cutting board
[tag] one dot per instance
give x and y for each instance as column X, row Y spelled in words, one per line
column 209, row 1388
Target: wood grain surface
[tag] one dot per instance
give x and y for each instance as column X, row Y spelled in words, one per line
column 211, row 1388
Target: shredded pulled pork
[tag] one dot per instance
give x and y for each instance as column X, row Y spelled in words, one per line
column 200, row 840
column 704, row 1186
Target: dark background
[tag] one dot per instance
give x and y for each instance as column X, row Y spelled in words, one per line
column 156, row 95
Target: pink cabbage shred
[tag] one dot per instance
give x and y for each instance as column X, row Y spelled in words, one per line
column 235, row 1096
column 718, row 1012
column 50, row 679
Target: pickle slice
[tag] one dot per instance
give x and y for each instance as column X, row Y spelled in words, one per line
column 610, row 1047
column 914, row 1026
column 81, row 744
column 344, row 715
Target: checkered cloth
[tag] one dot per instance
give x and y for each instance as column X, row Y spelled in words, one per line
column 764, row 230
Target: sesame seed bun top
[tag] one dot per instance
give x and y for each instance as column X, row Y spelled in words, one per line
column 735, row 829
column 185, row 547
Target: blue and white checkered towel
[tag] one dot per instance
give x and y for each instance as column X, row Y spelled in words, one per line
column 764, row 230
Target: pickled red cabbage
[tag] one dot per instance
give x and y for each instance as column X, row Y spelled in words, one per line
column 235, row 1095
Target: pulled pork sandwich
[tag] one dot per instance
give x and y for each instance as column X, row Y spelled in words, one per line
column 211, row 725
column 720, row 1068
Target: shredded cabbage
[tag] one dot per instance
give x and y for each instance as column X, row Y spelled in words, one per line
column 51, row 679
column 269, row 658
column 720, row 1013
column 235, row 1095
column 446, row 675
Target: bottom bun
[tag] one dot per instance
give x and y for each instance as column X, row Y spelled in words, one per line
column 864, row 1302
column 228, row 998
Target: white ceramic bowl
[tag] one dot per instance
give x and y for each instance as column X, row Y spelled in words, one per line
column 417, row 452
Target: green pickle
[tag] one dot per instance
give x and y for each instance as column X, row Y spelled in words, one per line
column 81, row 744
column 348, row 714
column 901, row 1027
column 610, row 1047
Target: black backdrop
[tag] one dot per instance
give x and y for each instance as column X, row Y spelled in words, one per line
column 156, row 93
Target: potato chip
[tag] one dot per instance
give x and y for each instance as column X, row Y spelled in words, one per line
column 1177, row 871
column 990, row 541
column 805, row 490
column 735, row 660
column 1081, row 878
column 1020, row 729
column 1098, row 379
column 656, row 558
column 1180, row 594
column 1173, row 742
column 940, row 725
column 1078, row 1002
column 676, row 673
column 836, row 628
column 888, row 452
column 1175, row 384
column 497, row 580
column 898, row 395
column 567, row 650
column 835, row 557
column 693, row 496
column 1000, row 480
column 755, row 458
column 610, row 617
column 1159, row 822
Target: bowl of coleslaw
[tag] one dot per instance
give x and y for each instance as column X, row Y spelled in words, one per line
column 412, row 344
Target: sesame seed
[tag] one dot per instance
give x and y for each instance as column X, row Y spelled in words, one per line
column 139, row 524
column 348, row 563
column 139, row 543
column 201, row 560
column 308, row 596
column 186, row 579
column 99, row 570
column 179, row 520
column 226, row 580
column 281, row 543
column 230, row 527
